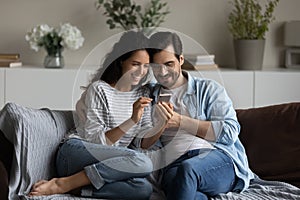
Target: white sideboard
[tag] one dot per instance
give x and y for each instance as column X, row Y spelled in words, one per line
column 274, row 87
column 41, row 87
column 60, row 88
column 258, row 88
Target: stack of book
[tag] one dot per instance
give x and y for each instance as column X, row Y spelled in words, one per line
column 10, row 60
column 199, row 62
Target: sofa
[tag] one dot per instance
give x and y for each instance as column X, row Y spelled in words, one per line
column 29, row 139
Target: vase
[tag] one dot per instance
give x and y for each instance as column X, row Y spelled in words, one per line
column 249, row 54
column 54, row 58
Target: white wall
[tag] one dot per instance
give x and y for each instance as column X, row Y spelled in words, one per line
column 203, row 20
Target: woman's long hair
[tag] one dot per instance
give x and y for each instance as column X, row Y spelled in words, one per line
column 129, row 43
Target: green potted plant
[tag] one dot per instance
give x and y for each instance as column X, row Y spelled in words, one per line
column 126, row 14
column 248, row 23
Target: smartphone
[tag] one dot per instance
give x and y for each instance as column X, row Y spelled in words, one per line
column 164, row 97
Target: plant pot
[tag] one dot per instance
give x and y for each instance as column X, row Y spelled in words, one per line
column 249, row 54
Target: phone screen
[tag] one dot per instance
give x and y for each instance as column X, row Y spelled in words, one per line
column 164, row 97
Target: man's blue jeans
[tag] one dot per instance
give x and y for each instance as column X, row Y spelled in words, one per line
column 115, row 172
column 199, row 174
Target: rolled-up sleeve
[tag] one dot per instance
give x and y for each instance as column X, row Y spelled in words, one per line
column 97, row 119
column 222, row 115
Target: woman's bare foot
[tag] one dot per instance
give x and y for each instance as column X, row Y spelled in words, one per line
column 60, row 185
column 54, row 186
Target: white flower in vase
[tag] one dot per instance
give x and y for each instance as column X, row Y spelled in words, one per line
column 54, row 40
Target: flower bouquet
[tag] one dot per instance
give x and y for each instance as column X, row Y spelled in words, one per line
column 54, row 40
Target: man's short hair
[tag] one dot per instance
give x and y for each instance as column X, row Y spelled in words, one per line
column 161, row 40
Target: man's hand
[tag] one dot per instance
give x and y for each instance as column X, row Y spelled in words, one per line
column 174, row 121
column 163, row 112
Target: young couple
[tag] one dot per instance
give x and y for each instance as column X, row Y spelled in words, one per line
column 198, row 129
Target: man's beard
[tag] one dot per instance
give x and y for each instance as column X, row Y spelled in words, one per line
column 169, row 84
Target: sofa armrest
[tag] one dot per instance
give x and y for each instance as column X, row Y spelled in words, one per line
column 35, row 135
column 3, row 182
column 271, row 136
column 6, row 152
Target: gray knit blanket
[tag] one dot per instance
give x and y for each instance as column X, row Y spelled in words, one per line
column 36, row 134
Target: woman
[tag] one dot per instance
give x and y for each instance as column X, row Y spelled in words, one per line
column 95, row 159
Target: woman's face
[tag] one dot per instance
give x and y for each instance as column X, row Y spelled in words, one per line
column 135, row 67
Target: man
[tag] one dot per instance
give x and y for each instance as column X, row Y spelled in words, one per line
column 203, row 153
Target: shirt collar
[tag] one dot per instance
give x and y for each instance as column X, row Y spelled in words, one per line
column 191, row 88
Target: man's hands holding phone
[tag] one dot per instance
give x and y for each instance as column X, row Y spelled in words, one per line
column 163, row 117
column 164, row 109
column 164, row 112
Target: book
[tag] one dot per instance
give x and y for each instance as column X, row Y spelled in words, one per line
column 206, row 67
column 9, row 56
column 10, row 60
column 10, row 63
column 188, row 66
column 196, row 59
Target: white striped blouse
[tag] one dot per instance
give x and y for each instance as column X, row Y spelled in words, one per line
column 107, row 108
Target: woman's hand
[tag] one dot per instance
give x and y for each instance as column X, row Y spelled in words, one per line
column 138, row 108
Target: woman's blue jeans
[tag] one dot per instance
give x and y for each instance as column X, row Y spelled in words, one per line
column 199, row 174
column 115, row 172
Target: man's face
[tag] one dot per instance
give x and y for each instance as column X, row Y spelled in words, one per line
column 166, row 67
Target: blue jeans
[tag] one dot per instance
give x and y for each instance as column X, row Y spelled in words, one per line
column 199, row 174
column 115, row 172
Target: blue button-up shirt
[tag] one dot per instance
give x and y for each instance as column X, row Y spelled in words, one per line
column 207, row 100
